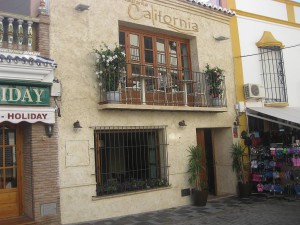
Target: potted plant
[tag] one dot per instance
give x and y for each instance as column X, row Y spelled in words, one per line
column 215, row 81
column 110, row 65
column 241, row 169
column 195, row 167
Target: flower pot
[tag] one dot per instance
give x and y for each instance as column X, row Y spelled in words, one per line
column 199, row 197
column 244, row 190
column 216, row 102
column 113, row 97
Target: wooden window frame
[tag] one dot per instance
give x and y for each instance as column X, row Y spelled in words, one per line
column 155, row 64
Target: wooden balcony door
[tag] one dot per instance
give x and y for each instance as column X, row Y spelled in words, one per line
column 10, row 171
column 165, row 59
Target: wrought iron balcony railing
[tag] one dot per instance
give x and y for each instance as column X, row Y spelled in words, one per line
column 148, row 85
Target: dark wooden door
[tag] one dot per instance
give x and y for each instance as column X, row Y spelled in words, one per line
column 204, row 139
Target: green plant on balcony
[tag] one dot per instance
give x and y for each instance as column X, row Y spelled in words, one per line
column 109, row 65
column 214, row 78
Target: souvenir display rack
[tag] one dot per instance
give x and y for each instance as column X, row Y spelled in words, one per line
column 275, row 170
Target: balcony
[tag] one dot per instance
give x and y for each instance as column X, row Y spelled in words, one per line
column 24, row 45
column 18, row 33
column 147, row 88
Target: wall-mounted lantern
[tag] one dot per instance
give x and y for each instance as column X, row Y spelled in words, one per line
column 49, row 129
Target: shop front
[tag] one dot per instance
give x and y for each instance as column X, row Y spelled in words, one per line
column 28, row 141
column 273, row 139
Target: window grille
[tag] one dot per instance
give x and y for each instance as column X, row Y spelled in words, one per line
column 130, row 159
column 273, row 74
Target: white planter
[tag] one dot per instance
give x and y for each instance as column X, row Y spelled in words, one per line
column 113, row 97
column 216, row 101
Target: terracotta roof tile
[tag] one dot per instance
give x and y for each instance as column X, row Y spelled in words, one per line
column 211, row 6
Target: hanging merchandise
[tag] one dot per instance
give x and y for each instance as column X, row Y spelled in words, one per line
column 275, row 170
column 297, row 189
column 260, row 187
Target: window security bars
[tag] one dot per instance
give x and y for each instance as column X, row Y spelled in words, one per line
column 148, row 85
column 273, row 74
column 130, row 159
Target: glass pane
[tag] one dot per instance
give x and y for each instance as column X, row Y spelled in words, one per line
column 149, row 82
column 121, row 38
column 174, row 74
column 172, row 47
column 183, row 48
column 185, row 62
column 11, row 178
column 136, row 69
column 10, row 136
column 173, row 60
column 1, row 157
column 161, row 58
column 1, row 135
column 160, row 45
column 10, row 156
column 1, row 179
column 148, row 43
column 148, row 56
column 186, row 75
column 134, row 40
column 135, row 54
column 162, row 78
column 175, row 78
column 149, row 70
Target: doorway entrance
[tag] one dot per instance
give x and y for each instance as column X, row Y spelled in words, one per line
column 10, row 170
column 204, row 139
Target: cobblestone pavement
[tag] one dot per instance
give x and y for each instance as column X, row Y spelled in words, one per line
column 227, row 211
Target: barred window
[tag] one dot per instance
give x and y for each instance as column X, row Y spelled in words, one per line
column 130, row 159
column 273, row 74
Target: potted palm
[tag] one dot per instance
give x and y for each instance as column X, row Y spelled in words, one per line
column 195, row 168
column 241, row 169
column 110, row 65
column 215, row 81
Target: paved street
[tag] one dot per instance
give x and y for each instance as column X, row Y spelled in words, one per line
column 226, row 211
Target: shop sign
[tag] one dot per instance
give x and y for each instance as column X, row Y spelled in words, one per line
column 140, row 9
column 25, row 114
column 24, row 95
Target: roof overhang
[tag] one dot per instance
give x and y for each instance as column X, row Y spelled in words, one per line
column 26, row 67
column 287, row 116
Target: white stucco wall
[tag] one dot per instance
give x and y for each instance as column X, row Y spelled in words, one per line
column 267, row 8
column 73, row 51
column 297, row 14
column 250, row 32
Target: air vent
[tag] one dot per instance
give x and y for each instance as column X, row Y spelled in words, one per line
column 254, row 91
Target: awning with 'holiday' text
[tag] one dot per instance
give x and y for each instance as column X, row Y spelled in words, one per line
column 27, row 114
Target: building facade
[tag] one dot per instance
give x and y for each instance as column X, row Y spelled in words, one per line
column 265, row 53
column 29, row 190
column 134, row 97
column 265, row 37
